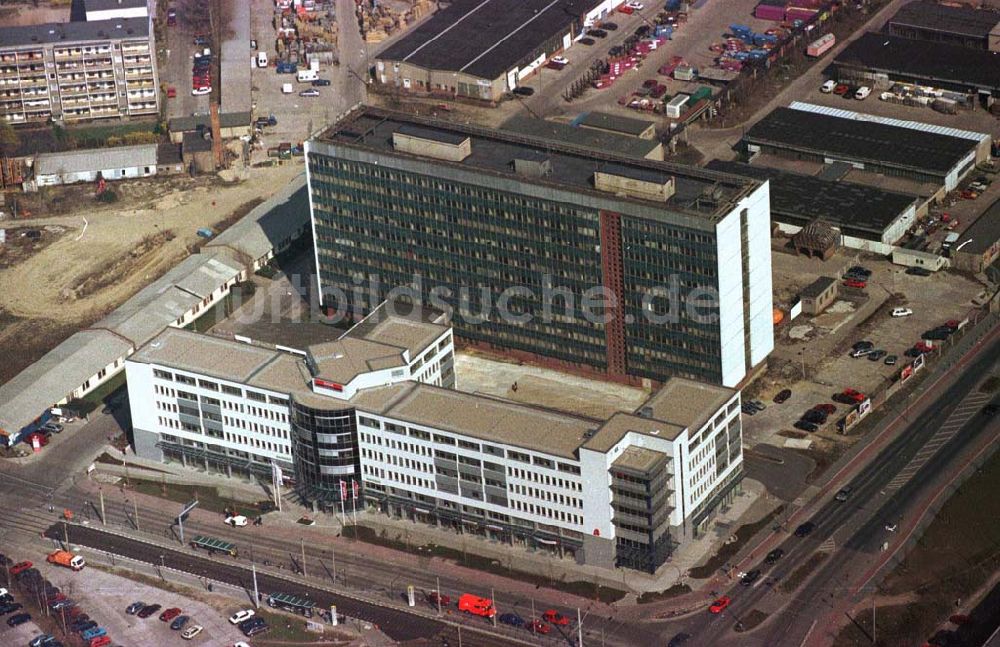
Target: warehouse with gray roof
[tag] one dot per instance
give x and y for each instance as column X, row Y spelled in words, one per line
column 923, row 152
column 928, row 20
column 482, row 49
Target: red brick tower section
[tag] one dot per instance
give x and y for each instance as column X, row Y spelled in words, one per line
column 614, row 286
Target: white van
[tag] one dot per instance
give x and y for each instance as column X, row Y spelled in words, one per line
column 261, row 59
column 307, row 76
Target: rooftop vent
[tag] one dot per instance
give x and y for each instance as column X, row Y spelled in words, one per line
column 589, row 433
column 538, row 167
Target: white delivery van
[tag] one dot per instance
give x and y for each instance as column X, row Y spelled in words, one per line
column 307, row 76
column 261, row 59
column 286, row 88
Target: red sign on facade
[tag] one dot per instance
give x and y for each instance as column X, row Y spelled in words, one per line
column 326, row 384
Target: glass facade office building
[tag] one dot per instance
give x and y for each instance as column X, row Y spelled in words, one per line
column 543, row 250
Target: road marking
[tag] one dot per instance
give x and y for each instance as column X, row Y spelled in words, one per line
column 828, row 546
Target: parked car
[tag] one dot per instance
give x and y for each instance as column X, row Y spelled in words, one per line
column 918, row 271
column 844, row 494
column 855, row 283
column 524, row 91
column 562, row 60
column 609, row 26
column 720, row 605
column 815, row 416
column 805, row 425
column 597, row 33
column 774, row 556
column 901, row 312
column 19, row 619
column 241, row 615
column 311, row 92
column 320, row 83
column 853, row 395
column 554, row 617
column 750, row 578
column 876, row 355
column 805, row 529
column 252, row 626
column 179, row 622
column 10, row 607
column 20, row 567
column 679, row 640
column 237, row 521
column 782, row 396
column 512, row 619
column 434, row 598
column 191, row 632
column 841, row 89
column 54, row 427
column 758, row 405
column 863, row 345
column 862, row 93
column 890, row 360
column 826, row 407
column 134, row 608
column 147, row 611
column 860, row 270
column 747, row 409
column 586, row 41
column 828, row 87
column 170, row 614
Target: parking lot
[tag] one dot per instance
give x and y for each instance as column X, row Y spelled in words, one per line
column 812, row 354
column 192, row 18
column 104, row 597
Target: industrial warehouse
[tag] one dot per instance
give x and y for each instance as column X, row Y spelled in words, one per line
column 482, row 49
column 867, row 218
column 927, row 20
column 875, row 57
column 932, row 154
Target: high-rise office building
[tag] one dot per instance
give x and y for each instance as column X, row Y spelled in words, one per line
column 630, row 268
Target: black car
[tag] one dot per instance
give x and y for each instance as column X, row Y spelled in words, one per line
column 19, row 619
column 939, row 334
column 679, row 639
column 148, row 611
column 10, row 607
column 913, row 352
column 750, row 577
column 774, row 556
column 891, row 360
column 815, row 415
column 783, row 395
column 597, row 33
column 250, row 623
column 918, row 271
column 524, row 91
column 860, row 270
column 642, row 30
column 805, row 529
column 610, row 26
column 135, row 608
column 617, row 50
column 6, row 598
column 83, row 626
column 587, row 41
column 863, row 345
column 512, row 619
column 259, row 629
column 876, row 355
column 321, row 82
column 805, row 425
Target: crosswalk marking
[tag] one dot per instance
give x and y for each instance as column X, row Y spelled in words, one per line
column 828, row 546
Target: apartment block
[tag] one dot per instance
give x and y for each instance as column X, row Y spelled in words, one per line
column 78, row 71
column 372, row 420
column 513, row 234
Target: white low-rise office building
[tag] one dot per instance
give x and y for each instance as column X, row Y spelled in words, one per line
column 373, row 418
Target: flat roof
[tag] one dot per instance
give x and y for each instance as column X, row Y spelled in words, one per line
column 572, row 168
column 486, row 38
column 105, row 5
column 346, row 358
column 931, row 16
column 226, row 120
column 923, row 59
column 193, row 142
column 984, row 232
column 205, row 354
column 861, row 140
column 95, row 159
column 411, row 331
column 65, row 33
column 621, row 424
column 818, row 287
column 56, row 375
column 800, row 199
column 491, row 419
column 639, row 459
column 597, row 140
column 617, row 123
column 687, row 403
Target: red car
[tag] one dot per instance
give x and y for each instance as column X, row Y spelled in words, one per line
column 923, row 347
column 826, row 408
column 855, row 283
column 170, row 614
column 856, row 396
column 536, row 626
column 953, row 324
column 20, row 567
column 720, row 605
column 434, row 597
column 43, row 440
column 841, row 89
column 554, row 617
column 625, row 9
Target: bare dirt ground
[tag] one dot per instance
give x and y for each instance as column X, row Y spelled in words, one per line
column 108, row 252
column 26, row 13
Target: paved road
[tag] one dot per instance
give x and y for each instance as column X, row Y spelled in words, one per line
column 851, row 532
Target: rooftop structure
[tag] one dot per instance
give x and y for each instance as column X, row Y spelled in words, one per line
column 55, row 33
column 837, row 135
column 817, row 287
column 940, row 65
column 596, row 140
column 618, row 124
column 96, row 159
column 618, row 207
column 979, row 246
column 110, row 9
